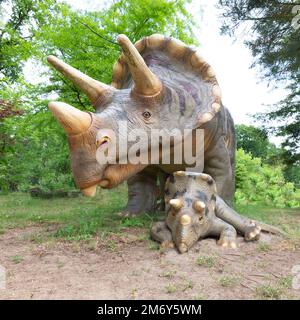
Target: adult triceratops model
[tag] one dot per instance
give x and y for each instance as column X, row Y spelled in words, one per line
column 157, row 83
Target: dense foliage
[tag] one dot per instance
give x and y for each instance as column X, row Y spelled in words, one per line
column 255, row 141
column 262, row 183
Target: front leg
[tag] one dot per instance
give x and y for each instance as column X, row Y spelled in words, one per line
column 142, row 193
column 218, row 165
column 226, row 232
column 247, row 228
column 162, row 234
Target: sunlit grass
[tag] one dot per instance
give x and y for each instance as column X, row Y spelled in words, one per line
column 286, row 219
column 82, row 218
column 74, row 218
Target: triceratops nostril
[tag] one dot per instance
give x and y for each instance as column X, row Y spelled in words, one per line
column 102, row 141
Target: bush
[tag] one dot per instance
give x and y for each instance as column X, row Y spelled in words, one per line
column 38, row 156
column 265, row 184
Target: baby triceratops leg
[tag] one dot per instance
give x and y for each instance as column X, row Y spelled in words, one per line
column 162, row 234
column 226, row 232
column 245, row 226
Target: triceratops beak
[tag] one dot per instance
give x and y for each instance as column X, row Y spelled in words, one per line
column 74, row 121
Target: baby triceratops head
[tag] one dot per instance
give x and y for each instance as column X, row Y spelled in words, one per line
column 190, row 200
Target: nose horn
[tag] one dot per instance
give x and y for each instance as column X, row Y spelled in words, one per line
column 185, row 220
column 182, row 248
column 74, row 121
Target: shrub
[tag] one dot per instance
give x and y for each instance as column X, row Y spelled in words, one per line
column 38, row 155
column 257, row 182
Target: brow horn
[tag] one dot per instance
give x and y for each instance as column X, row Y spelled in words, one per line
column 74, row 121
column 92, row 88
column 145, row 82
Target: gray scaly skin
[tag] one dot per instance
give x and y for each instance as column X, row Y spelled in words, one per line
column 157, row 83
column 195, row 211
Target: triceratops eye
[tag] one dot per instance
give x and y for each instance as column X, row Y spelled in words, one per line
column 146, row 115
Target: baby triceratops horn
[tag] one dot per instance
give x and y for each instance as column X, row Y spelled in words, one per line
column 177, row 204
column 74, row 121
column 199, row 206
column 92, row 88
column 146, row 83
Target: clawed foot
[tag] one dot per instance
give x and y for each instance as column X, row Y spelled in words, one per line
column 252, row 232
column 227, row 242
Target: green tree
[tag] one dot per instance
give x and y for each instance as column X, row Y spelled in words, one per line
column 255, row 141
column 274, row 42
column 18, row 24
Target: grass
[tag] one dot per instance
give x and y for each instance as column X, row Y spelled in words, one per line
column 208, row 261
column 169, row 274
column 286, row 282
column 188, row 285
column 268, row 291
column 152, row 245
column 264, row 247
column 82, row 218
column 73, row 218
column 275, row 291
column 60, row 264
column 286, row 219
column 133, row 293
column 228, row 281
column 16, row 259
column 170, row 288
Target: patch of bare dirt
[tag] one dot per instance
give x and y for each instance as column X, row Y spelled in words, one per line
column 125, row 267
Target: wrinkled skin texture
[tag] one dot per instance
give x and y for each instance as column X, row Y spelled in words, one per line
column 186, row 223
column 189, row 99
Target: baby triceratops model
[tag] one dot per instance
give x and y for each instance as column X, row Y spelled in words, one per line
column 195, row 211
column 157, row 83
